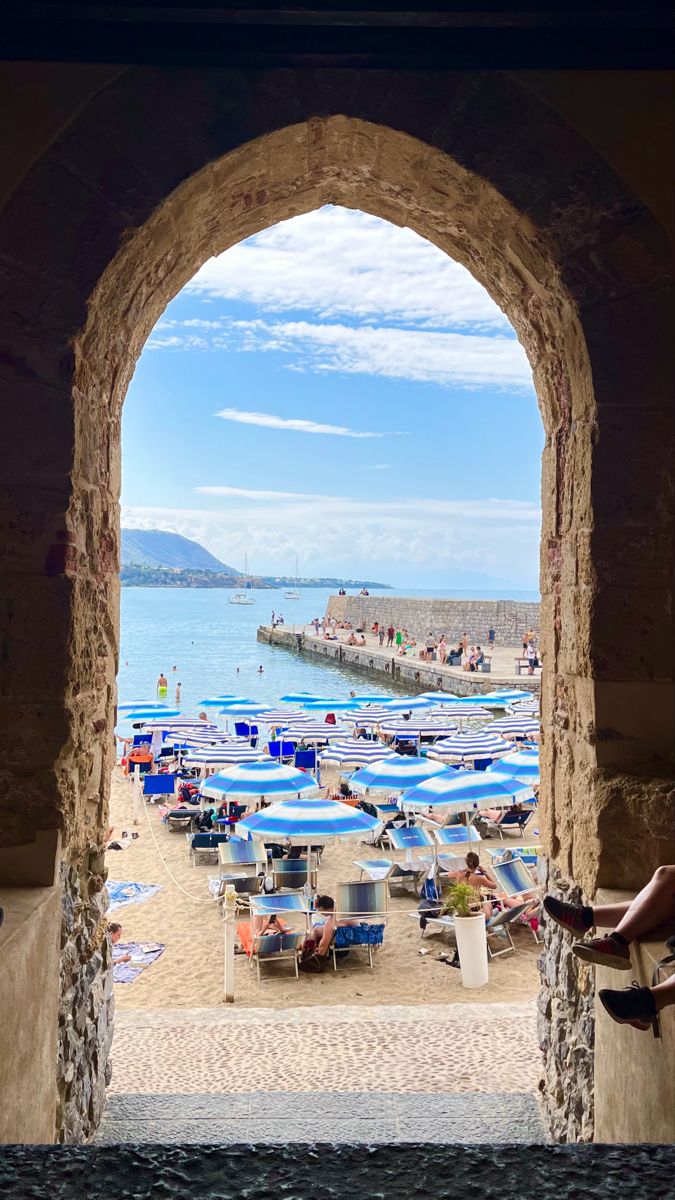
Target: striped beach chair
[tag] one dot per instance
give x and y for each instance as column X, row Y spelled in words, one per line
column 363, row 907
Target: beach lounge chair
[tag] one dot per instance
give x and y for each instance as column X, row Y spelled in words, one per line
column 499, row 940
column 285, row 945
column 239, row 859
column 205, row 846
column 456, row 835
column 511, row 820
column 292, row 873
column 409, row 838
column 528, row 854
column 158, row 785
column 281, row 750
column 514, row 879
column 179, row 820
column 365, row 906
column 305, row 760
column 396, row 874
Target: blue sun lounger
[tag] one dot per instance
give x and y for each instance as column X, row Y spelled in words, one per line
column 364, row 905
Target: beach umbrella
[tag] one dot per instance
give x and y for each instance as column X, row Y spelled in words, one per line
column 367, row 716
column 524, row 708
column 370, row 698
column 171, row 724
column 418, row 727
column 523, row 765
column 395, row 774
column 213, row 738
column 354, row 750
column 407, row 703
column 242, row 708
column 157, row 707
column 222, row 701
column 466, row 791
column 307, row 822
column 510, row 695
column 440, row 697
column 299, row 697
column 223, row 756
column 328, row 705
column 461, row 713
column 279, row 716
column 515, row 727
column 469, row 746
column 137, row 715
column 258, row 781
column 313, row 731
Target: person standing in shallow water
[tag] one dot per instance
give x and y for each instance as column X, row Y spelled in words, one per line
column 162, row 684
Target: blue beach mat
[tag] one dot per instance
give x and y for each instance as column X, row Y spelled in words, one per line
column 143, row 954
column 129, row 893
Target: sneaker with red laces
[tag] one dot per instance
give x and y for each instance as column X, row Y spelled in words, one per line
column 569, row 916
column 605, row 951
column 632, row 1006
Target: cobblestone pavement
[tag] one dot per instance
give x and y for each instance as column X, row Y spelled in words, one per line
column 401, row 1073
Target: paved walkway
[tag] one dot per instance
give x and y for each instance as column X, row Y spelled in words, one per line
column 385, row 1074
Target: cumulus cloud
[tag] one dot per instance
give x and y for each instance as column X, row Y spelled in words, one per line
column 296, row 424
column 336, row 261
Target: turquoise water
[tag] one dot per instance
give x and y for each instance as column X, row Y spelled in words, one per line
column 213, row 645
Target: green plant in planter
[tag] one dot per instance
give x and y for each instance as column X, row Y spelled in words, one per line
column 462, row 899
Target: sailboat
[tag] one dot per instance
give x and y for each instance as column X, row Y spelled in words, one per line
column 246, row 596
column 293, row 593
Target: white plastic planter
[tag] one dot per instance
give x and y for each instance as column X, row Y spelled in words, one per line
column 472, row 947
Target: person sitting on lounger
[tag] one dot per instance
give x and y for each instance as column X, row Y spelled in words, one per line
column 323, row 924
column 630, row 920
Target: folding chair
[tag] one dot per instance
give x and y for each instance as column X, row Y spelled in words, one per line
column 514, row 880
column 292, row 873
column 238, row 859
column 158, row 785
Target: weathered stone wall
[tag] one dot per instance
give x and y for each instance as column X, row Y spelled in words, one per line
column 86, row 1004
column 565, row 1023
column 510, row 619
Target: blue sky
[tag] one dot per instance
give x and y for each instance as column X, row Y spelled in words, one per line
column 338, row 388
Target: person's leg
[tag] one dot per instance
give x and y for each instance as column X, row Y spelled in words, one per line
column 326, row 937
column 639, row 1006
column 654, row 905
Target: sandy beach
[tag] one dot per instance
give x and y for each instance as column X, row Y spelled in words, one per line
column 184, row 917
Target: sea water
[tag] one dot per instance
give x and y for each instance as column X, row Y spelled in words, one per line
column 212, row 644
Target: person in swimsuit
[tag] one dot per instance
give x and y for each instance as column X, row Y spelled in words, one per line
column 162, row 684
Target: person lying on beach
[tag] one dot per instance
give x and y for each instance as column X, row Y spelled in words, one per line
column 351, row 640
column 628, row 921
column 115, row 932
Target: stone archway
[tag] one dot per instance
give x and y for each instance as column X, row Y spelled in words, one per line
column 162, row 169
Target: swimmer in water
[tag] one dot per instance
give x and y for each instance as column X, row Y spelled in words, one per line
column 178, row 686
column 162, row 684
column 174, row 668
column 260, row 668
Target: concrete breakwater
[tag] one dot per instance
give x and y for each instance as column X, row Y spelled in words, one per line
column 510, row 619
column 411, row 673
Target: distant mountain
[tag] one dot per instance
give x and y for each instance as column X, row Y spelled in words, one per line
column 156, row 548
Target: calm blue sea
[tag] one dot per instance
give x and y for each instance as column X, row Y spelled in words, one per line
column 213, row 646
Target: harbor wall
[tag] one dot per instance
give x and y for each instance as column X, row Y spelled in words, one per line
column 413, row 674
column 509, row 618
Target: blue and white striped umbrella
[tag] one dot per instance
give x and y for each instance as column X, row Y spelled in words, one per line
column 515, row 727
column 466, row 747
column 407, row 703
column 525, row 708
column 147, row 714
column 221, row 701
column 258, row 780
column 419, row 727
column 524, row 766
column 367, row 716
column 370, row 698
column 213, row 738
column 509, row 695
column 440, row 697
column 299, row 697
column 395, row 774
column 354, row 750
column 459, row 710
column 223, row 756
column 313, row 731
column 328, row 705
column 156, row 706
column 303, row 822
column 281, row 717
column 246, row 708
column 462, row 791
column 179, row 724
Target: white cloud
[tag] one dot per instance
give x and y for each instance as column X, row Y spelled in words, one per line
column 253, row 493
column 332, row 535
column 297, row 425
column 418, row 355
column 380, row 467
column 337, row 262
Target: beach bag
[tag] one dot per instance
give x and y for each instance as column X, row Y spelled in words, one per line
column 310, row 962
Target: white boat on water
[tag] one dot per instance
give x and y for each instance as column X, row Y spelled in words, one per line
column 246, row 596
column 293, row 593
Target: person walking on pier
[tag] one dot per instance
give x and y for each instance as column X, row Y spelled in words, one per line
column 390, row 636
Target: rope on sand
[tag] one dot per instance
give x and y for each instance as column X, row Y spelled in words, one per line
column 172, row 877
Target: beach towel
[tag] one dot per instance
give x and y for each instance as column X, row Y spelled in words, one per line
column 143, row 954
column 129, row 893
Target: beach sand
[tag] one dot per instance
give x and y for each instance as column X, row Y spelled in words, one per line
column 190, row 972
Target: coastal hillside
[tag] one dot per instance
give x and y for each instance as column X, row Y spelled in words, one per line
column 157, row 548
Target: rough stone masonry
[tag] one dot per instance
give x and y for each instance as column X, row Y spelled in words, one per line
column 510, row 619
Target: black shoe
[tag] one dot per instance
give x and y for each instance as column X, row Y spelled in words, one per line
column 568, row 916
column 631, row 1006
